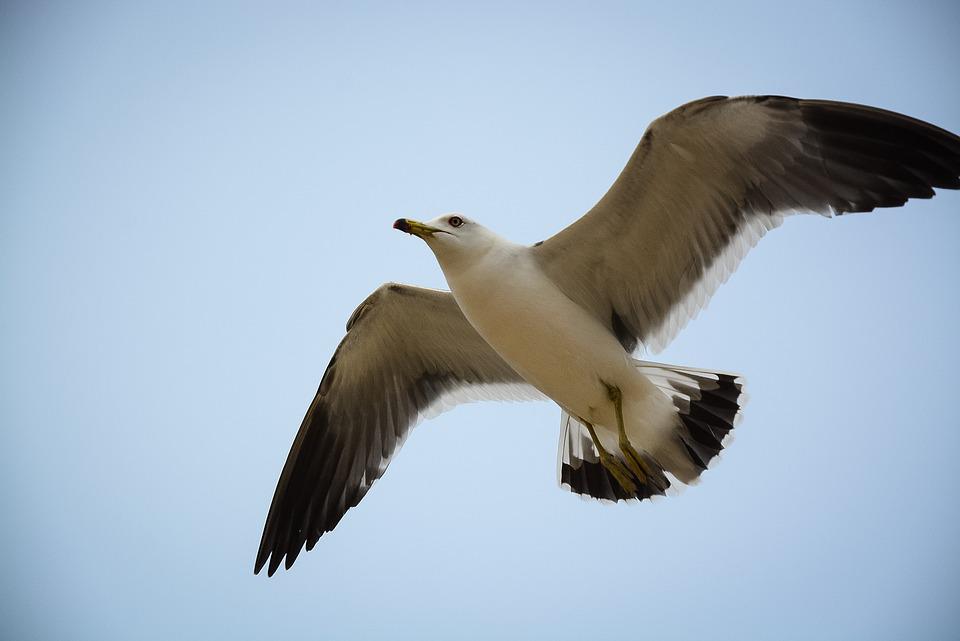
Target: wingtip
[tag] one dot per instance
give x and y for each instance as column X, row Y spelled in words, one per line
column 275, row 560
column 291, row 557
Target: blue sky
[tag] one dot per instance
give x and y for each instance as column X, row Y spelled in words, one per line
column 194, row 198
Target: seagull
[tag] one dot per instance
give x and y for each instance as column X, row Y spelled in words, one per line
column 563, row 319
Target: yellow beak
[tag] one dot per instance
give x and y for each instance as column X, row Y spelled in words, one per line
column 415, row 227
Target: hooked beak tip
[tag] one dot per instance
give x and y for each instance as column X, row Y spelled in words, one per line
column 402, row 225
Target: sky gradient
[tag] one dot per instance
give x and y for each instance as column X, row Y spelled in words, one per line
column 194, row 199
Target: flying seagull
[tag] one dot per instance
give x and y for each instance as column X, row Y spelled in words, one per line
column 563, row 319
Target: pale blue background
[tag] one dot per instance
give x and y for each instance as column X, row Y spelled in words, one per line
column 194, row 199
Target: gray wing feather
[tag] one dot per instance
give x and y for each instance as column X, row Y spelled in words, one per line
column 408, row 352
column 710, row 178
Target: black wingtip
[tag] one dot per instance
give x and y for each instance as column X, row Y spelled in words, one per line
column 262, row 557
column 291, row 557
column 275, row 560
column 263, row 552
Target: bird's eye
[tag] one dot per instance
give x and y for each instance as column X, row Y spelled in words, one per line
column 455, row 221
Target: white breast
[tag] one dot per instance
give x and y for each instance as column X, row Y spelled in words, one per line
column 548, row 339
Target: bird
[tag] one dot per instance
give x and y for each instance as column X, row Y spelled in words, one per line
column 566, row 319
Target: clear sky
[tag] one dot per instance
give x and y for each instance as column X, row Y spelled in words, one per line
column 194, row 198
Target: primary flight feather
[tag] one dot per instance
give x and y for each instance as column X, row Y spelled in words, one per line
column 563, row 318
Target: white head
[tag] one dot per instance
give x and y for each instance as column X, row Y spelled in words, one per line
column 455, row 239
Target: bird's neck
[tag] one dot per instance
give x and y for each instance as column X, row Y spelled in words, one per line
column 479, row 264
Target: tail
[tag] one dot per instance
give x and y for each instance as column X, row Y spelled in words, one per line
column 708, row 406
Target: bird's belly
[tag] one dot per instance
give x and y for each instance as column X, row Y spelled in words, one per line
column 549, row 340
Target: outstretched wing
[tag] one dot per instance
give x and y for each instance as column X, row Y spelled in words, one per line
column 408, row 352
column 710, row 178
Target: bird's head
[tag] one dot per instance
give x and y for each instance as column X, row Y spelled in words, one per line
column 452, row 237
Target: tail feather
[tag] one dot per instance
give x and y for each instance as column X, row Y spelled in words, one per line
column 708, row 407
column 581, row 472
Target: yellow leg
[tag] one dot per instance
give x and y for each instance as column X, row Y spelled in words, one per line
column 635, row 462
column 612, row 463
